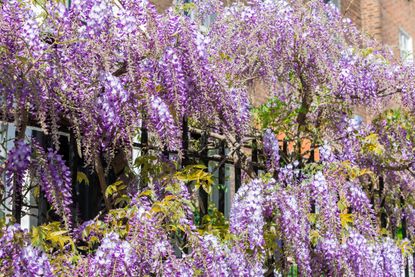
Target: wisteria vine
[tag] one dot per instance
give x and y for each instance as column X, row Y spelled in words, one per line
column 337, row 194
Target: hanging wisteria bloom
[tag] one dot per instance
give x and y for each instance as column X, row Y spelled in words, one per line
column 247, row 217
column 271, row 148
column 18, row 258
column 55, row 180
column 114, row 257
column 163, row 122
column 17, row 163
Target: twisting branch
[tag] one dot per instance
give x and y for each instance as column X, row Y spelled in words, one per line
column 103, row 184
column 227, row 157
column 21, row 121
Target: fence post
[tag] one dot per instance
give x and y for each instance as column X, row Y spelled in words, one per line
column 205, row 161
column 383, row 220
column 185, row 142
column 144, row 139
column 144, row 149
column 73, row 163
column 404, row 235
column 255, row 156
column 221, row 179
column 238, row 169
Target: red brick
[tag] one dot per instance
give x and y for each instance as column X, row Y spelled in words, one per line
column 382, row 19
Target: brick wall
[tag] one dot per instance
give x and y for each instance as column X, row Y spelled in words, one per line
column 162, row 5
column 397, row 14
column 351, row 9
column 382, row 19
column 371, row 18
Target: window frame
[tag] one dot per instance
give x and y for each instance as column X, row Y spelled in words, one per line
column 405, row 46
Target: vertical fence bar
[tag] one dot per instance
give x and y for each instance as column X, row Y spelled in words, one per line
column 238, row 175
column 205, row 161
column 284, row 151
column 144, row 139
column 221, row 179
column 404, row 235
column 255, row 155
column 73, row 163
column 312, row 160
column 383, row 220
column 17, row 195
column 185, row 142
column 237, row 167
column 144, row 149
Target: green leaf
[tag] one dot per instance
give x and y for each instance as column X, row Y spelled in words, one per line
column 207, row 187
column 341, row 204
column 312, row 218
column 367, row 51
column 113, row 188
column 124, row 199
column 399, row 233
column 81, row 177
column 146, row 193
column 371, row 144
column 314, row 237
column 346, row 219
column 169, row 198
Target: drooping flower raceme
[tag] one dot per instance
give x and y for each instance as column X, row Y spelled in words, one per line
column 295, row 226
column 271, row 148
column 17, row 163
column 325, row 202
column 114, row 257
column 18, row 257
column 163, row 121
column 359, row 201
column 54, row 178
column 247, row 219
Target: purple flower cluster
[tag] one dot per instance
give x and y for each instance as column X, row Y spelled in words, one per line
column 150, row 242
column 175, row 81
column 328, row 257
column 114, row 257
column 372, row 259
column 357, row 198
column 163, row 122
column 32, row 35
column 55, row 180
column 18, row 257
column 17, row 163
column 271, row 149
column 410, row 218
column 218, row 259
column 295, row 227
column 325, row 201
column 391, row 259
column 364, row 214
column 111, row 105
column 99, row 15
column 210, row 256
column 246, row 217
column 241, row 263
column 358, row 256
column 109, row 69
